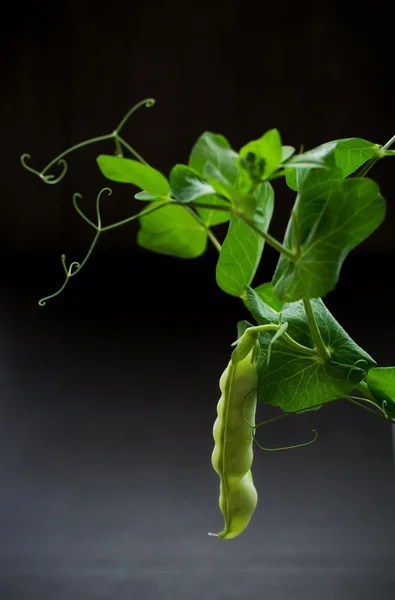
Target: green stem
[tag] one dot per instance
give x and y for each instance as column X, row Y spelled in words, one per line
column 322, row 350
column 130, row 149
column 210, row 234
column 299, row 347
column 266, row 236
column 366, row 168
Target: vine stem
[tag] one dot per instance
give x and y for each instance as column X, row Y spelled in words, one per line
column 300, row 347
column 366, row 168
column 266, row 236
column 240, row 215
column 322, row 350
column 286, row 336
column 210, row 234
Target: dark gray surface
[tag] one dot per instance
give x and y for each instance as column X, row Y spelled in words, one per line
column 107, row 491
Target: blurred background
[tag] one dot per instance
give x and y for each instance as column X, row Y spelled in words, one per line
column 108, row 394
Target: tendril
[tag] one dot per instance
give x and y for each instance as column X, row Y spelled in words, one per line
column 119, row 142
column 77, row 197
column 302, row 445
column 357, row 401
column 43, row 301
column 75, row 267
column 50, row 179
column 254, row 427
column 148, row 103
column 354, row 366
column 98, row 198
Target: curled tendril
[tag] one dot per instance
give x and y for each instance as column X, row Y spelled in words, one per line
column 75, row 266
column 50, row 179
column 354, row 366
column 148, row 103
column 302, row 445
column 77, row 197
column 254, row 427
column 68, row 271
column 357, row 400
column 98, row 198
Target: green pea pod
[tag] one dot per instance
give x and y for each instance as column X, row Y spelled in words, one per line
column 233, row 436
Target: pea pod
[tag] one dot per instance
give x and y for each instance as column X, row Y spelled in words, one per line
column 233, row 435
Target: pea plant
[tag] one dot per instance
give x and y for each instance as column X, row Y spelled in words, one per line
column 292, row 353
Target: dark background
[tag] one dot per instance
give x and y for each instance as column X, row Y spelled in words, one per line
column 108, row 394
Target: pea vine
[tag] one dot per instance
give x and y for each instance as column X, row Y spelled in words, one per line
column 301, row 357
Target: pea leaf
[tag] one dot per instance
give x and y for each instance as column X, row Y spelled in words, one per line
column 332, row 218
column 258, row 160
column 212, row 216
column 215, row 149
column 187, row 185
column 287, row 152
column 347, row 155
column 262, row 311
column 172, row 230
column 242, row 247
column 266, row 293
column 381, row 382
column 127, row 170
column 296, row 381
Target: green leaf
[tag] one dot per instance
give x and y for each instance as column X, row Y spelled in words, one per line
column 242, row 326
column 214, row 148
column 172, row 230
column 296, row 381
column 145, row 196
column 266, row 293
column 187, row 185
column 381, row 382
column 287, row 152
column 258, row 160
column 127, row 170
column 220, row 184
column 263, row 312
column 347, row 155
column 242, row 247
column 332, row 218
